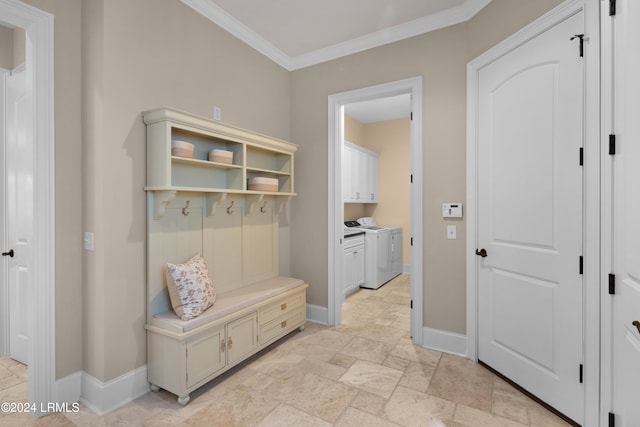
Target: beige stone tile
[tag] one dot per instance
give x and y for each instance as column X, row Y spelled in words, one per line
column 374, row 332
column 509, row 402
column 541, row 417
column 313, row 394
column 320, row 368
column 276, row 362
column 462, row 381
column 343, row 360
column 476, row 418
column 9, row 382
column 405, row 349
column 19, row 370
column 285, row 415
column 237, row 408
column 417, row 376
column 367, row 349
column 412, row 408
column 368, row 402
column 396, row 362
column 330, row 339
column 355, row 418
column 17, row 392
column 372, row 377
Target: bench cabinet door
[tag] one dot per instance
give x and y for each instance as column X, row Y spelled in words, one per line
column 242, row 337
column 205, row 355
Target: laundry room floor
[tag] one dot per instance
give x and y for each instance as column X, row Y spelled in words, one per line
column 365, row 372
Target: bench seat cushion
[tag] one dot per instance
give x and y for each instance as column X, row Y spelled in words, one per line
column 229, row 302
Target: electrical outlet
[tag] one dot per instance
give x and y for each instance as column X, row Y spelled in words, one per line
column 217, row 113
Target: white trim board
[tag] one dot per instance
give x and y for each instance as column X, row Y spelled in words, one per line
column 317, row 314
column 40, row 72
column 591, row 243
column 447, row 342
column 335, row 210
column 102, row 398
column 220, row 17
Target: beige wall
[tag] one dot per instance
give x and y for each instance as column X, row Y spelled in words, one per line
column 440, row 57
column 6, row 48
column 178, row 59
column 391, row 139
column 68, row 179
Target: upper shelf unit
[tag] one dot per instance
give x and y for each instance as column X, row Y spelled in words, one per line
column 254, row 156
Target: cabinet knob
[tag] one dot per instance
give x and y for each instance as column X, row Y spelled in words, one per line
column 283, row 324
column 223, row 346
column 230, row 342
column 283, row 306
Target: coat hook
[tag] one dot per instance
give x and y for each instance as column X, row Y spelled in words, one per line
column 184, row 210
column 230, row 208
column 263, row 207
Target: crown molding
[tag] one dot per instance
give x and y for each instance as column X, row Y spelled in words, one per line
column 449, row 17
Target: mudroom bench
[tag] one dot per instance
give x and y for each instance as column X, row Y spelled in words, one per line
column 184, row 355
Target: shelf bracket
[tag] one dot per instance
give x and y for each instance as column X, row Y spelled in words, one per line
column 254, row 201
column 283, row 202
column 213, row 200
column 161, row 200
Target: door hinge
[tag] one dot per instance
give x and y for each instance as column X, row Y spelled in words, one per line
column 411, row 304
column 581, row 156
column 581, row 369
column 612, row 145
column 612, row 7
column 412, row 241
column 612, row 419
column 581, row 37
column 411, row 118
column 412, row 178
column 612, row 284
column 581, row 263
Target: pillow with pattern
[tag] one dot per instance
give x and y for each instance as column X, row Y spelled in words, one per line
column 190, row 288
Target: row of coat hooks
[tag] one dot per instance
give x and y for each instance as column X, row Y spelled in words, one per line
column 185, row 210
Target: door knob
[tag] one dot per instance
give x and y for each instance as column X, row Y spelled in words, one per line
column 10, row 253
column 481, row 252
column 636, row 324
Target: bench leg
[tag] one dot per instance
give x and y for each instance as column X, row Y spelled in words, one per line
column 183, row 400
column 154, row 388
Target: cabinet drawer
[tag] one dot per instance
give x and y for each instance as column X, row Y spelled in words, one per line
column 282, row 325
column 281, row 308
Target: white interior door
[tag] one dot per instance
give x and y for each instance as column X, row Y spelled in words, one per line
column 625, row 303
column 19, row 210
column 530, row 188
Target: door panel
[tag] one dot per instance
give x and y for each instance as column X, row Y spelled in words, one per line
column 20, row 213
column 530, row 216
column 625, row 304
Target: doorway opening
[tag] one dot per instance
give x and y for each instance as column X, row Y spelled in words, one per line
column 40, row 220
column 337, row 104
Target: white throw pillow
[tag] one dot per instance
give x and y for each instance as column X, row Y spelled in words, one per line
column 190, row 288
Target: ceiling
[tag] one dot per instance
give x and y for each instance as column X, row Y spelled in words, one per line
column 300, row 33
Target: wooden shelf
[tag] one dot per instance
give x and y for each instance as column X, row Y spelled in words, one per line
column 254, row 155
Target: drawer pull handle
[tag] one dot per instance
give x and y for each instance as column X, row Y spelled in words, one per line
column 283, row 306
column 223, row 346
column 283, row 324
column 230, row 342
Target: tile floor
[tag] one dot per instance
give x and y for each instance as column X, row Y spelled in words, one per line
column 364, row 373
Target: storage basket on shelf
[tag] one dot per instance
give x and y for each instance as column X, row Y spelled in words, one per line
column 262, row 183
column 221, row 156
column 182, row 148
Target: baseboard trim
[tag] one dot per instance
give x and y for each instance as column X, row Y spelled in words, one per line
column 406, row 268
column 317, row 314
column 448, row 342
column 69, row 388
column 102, row 398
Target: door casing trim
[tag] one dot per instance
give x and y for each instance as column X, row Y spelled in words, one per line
column 38, row 25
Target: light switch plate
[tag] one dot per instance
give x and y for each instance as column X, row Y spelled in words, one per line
column 451, row 232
